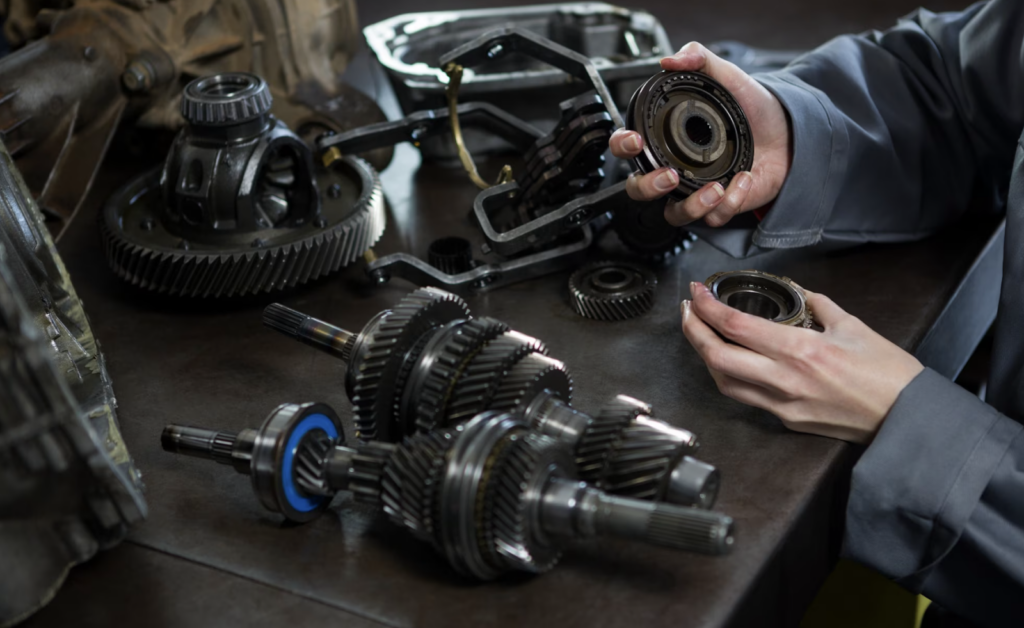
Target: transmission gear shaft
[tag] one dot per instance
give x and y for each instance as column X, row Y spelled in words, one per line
column 491, row 495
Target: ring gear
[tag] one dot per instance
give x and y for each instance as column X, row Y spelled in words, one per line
column 475, row 389
column 612, row 291
column 399, row 330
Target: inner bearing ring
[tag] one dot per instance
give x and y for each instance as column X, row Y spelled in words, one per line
column 686, row 125
column 761, row 294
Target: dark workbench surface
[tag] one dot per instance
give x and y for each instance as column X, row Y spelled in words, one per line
column 210, row 556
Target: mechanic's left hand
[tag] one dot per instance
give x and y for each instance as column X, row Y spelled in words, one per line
column 839, row 383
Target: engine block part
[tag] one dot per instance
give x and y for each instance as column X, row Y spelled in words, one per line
column 491, row 495
column 762, row 294
column 691, row 123
column 237, row 208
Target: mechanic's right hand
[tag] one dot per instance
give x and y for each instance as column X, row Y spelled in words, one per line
column 748, row 190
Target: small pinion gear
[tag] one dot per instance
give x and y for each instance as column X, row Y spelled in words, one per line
column 400, row 330
column 604, row 432
column 612, row 291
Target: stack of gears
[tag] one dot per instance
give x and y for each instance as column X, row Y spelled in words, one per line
column 467, row 438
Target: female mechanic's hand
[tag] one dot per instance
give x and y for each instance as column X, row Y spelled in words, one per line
column 840, row 383
column 748, row 190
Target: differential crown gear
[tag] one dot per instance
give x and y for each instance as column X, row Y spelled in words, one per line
column 612, row 291
column 225, row 99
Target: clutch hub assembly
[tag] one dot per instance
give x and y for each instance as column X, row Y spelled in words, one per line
column 691, row 123
column 762, row 294
column 237, row 208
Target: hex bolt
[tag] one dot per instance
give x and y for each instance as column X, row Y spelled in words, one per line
column 137, row 77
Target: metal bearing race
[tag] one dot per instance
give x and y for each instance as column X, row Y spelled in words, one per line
column 691, row 123
column 225, row 99
column 612, row 291
column 762, row 294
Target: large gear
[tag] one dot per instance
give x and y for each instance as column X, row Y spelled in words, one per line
column 531, row 375
column 513, row 536
column 603, row 432
column 430, row 399
column 373, row 392
column 612, row 291
column 475, row 389
column 411, row 481
column 141, row 251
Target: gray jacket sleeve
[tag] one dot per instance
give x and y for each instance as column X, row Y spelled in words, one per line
column 895, row 133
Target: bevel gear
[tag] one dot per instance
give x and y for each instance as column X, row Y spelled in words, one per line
column 612, row 291
column 237, row 208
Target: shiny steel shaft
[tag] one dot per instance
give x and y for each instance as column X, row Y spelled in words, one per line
column 223, row 447
column 314, row 332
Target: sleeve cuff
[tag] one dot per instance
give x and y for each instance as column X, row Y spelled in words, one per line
column 820, row 150
column 916, row 486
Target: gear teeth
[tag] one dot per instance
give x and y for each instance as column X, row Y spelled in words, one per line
column 374, row 393
column 461, row 347
column 639, row 465
column 311, row 464
column 591, row 300
column 259, row 271
column 531, row 375
column 411, row 481
column 603, row 432
column 480, row 380
column 368, row 464
column 506, row 517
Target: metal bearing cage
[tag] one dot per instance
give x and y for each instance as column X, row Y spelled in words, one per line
column 693, row 124
column 762, row 294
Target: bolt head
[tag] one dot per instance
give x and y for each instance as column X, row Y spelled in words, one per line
column 334, row 191
column 89, row 53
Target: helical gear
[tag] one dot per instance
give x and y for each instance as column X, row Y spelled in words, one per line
column 612, row 291
column 529, row 377
column 480, row 380
column 411, row 480
column 368, row 463
column 640, row 463
column 461, row 346
column 373, row 392
column 604, row 432
column 310, row 467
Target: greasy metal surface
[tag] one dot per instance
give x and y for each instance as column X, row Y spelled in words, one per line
column 221, row 367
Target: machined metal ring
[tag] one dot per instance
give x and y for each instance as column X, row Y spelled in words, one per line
column 690, row 122
column 762, row 294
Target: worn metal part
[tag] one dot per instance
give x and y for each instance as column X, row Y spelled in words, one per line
column 281, row 457
column 95, row 64
column 762, row 294
column 691, row 123
column 68, row 486
column 239, row 207
column 624, row 46
column 612, row 291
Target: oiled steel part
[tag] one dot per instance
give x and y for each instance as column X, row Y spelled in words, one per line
column 691, row 123
column 531, row 376
column 376, row 392
column 332, row 340
column 107, row 64
column 642, row 228
column 762, row 294
column 285, row 458
column 612, row 291
column 70, row 486
column 451, row 255
column 143, row 252
column 225, row 99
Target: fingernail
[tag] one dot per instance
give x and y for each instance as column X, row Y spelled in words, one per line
column 693, row 288
column 632, row 142
column 685, row 308
column 712, row 195
column 744, row 180
column 666, row 181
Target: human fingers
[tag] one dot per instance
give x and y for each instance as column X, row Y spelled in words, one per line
column 745, row 392
column 651, row 186
column 695, row 206
column 733, row 202
column 753, row 332
column 626, row 144
column 825, row 311
column 720, row 356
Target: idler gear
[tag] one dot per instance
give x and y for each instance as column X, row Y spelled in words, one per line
column 490, row 495
column 691, row 123
column 276, row 456
column 762, row 294
column 612, row 291
column 237, row 208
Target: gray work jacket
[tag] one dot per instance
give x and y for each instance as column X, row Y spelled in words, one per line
column 894, row 134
